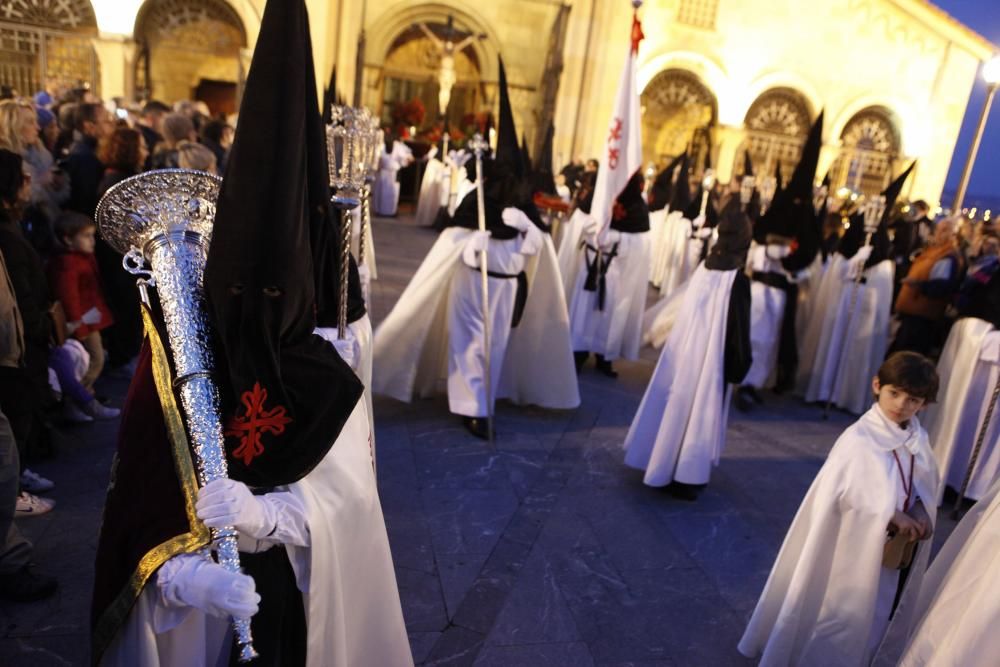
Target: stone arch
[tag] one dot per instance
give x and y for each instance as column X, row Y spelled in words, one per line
column 870, row 147
column 401, row 61
column 677, row 108
column 776, row 126
column 190, row 49
column 68, row 15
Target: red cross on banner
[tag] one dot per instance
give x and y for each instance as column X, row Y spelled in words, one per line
column 257, row 421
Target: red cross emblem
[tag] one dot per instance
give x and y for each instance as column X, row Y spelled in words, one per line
column 257, row 421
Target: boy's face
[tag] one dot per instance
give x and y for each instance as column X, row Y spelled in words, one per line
column 896, row 403
column 82, row 241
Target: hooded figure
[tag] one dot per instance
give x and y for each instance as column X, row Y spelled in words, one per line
column 678, row 433
column 673, row 260
column 311, row 533
column 787, row 242
column 434, row 335
column 847, row 336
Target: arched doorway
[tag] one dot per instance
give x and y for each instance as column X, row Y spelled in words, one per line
column 776, row 124
column 869, row 150
column 46, row 44
column 411, row 78
column 676, row 106
column 190, row 50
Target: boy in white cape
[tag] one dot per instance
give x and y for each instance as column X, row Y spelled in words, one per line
column 829, row 597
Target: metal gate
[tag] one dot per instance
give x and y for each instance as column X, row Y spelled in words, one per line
column 32, row 57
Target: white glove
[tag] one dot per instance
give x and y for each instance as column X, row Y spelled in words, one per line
column 864, row 252
column 698, row 222
column 226, row 502
column 589, row 225
column 197, row 582
column 778, row 250
column 704, row 232
column 364, row 273
column 92, row 316
column 515, row 217
column 477, row 243
column 608, row 238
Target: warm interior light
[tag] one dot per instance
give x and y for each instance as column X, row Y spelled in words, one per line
column 116, row 16
column 991, row 70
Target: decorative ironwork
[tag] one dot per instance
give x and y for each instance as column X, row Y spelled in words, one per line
column 870, row 148
column 780, row 111
column 33, row 58
column 70, row 15
column 675, row 104
column 207, row 25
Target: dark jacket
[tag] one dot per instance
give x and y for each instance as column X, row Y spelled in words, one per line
column 85, row 172
column 27, row 276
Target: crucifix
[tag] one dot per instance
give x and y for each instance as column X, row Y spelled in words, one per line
column 447, row 48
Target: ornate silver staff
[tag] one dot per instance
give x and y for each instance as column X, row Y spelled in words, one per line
column 746, row 191
column 768, row 186
column 977, row 449
column 478, row 145
column 162, row 222
column 347, row 138
column 873, row 209
column 375, row 142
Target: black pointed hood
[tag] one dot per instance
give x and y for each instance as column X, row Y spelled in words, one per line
column 747, row 164
column 791, row 214
column 735, row 233
column 330, row 95
column 663, row 185
column 259, row 278
column 544, row 178
column 680, row 198
column 526, row 155
column 508, row 153
column 779, row 181
column 854, row 237
column 630, row 213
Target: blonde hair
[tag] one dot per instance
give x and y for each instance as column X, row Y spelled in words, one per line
column 195, row 156
column 10, row 125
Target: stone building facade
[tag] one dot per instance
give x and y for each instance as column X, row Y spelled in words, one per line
column 893, row 76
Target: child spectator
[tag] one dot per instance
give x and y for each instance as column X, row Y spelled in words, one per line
column 838, row 576
column 74, row 278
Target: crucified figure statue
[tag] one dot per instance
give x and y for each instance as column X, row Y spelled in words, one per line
column 447, row 49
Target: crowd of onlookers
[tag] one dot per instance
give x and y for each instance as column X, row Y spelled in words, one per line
column 68, row 311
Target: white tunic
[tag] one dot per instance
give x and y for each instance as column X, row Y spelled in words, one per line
column 616, row 331
column 827, row 598
column 346, row 577
column 767, row 308
column 674, row 260
column 432, row 190
column 385, row 195
column 679, row 430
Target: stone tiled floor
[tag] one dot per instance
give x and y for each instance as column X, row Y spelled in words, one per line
column 543, row 551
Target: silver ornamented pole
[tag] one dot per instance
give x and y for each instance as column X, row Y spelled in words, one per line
column 478, row 145
column 873, row 210
column 163, row 220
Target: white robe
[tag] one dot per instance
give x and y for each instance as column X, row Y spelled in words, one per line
column 954, row 622
column 680, row 427
column 411, row 344
column 767, row 309
column 968, row 370
column 616, row 331
column 346, row 577
column 385, row 195
column 569, row 251
column 843, row 349
column 432, row 191
column 674, row 259
column 827, row 600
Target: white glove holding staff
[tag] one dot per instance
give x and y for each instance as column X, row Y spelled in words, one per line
column 195, row 581
column 226, row 502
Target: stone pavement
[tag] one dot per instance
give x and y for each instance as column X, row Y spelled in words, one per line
column 546, row 550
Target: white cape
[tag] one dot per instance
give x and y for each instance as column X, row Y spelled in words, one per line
column 955, row 619
column 679, row 429
column 352, row 605
column 433, row 191
column 819, row 604
column 968, row 373
column 843, row 349
column 569, row 251
column 411, row 344
column 672, row 261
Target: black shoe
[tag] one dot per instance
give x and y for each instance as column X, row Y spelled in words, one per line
column 742, row 400
column 580, row 358
column 754, row 395
column 604, row 367
column 477, row 426
column 26, row 585
column 688, row 492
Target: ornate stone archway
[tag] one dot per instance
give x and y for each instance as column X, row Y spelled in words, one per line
column 44, row 43
column 870, row 147
column 190, row 49
column 776, row 126
column 675, row 106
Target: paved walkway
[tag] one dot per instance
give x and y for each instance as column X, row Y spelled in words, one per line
column 546, row 550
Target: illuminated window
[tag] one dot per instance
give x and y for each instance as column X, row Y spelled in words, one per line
column 699, row 13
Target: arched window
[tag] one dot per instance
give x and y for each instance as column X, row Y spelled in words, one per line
column 869, row 149
column 776, row 127
column 676, row 106
column 190, row 49
column 47, row 44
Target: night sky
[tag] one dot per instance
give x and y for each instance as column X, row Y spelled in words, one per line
column 983, row 16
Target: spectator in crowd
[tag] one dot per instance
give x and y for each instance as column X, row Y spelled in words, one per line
column 151, row 123
column 74, row 278
column 176, row 128
column 123, row 154
column 195, row 156
column 927, row 290
column 977, row 293
column 65, row 119
column 24, row 389
column 92, row 124
column 217, row 136
column 48, row 129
